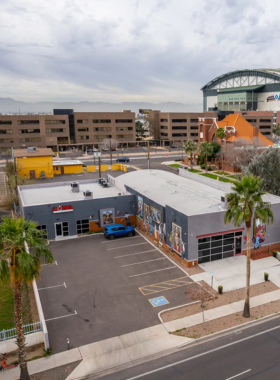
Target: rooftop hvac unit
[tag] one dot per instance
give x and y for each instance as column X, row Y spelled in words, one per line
column 224, row 202
column 31, row 149
column 105, row 184
column 75, row 187
column 87, row 194
column 101, row 180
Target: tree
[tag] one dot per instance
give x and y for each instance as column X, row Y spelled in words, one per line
column 140, row 130
column 110, row 143
column 267, row 167
column 244, row 199
column 190, row 147
column 205, row 150
column 276, row 130
column 19, row 266
column 221, row 135
column 150, row 124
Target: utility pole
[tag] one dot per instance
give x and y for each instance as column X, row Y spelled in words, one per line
column 99, row 158
column 148, row 155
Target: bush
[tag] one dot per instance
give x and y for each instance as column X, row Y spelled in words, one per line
column 10, row 170
column 209, row 168
column 202, row 166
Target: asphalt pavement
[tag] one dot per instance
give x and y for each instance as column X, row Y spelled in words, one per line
column 245, row 353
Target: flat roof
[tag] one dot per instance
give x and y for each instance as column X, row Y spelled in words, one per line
column 38, row 153
column 67, row 162
column 60, row 192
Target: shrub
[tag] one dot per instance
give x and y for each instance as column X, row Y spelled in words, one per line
column 202, row 166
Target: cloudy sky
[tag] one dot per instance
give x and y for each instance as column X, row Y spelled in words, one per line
column 131, row 50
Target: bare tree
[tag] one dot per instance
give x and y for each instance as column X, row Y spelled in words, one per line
column 199, row 293
column 72, row 153
column 110, row 143
column 241, row 152
column 149, row 124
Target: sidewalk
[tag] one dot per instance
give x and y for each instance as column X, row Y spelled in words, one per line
column 130, row 349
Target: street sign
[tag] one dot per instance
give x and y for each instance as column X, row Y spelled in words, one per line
column 159, row 301
column 97, row 154
column 212, row 272
column 166, row 154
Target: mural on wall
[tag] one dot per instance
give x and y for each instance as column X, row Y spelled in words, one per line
column 162, row 233
column 176, row 239
column 259, row 232
column 108, row 217
column 146, row 212
column 127, row 219
column 156, row 215
column 139, row 212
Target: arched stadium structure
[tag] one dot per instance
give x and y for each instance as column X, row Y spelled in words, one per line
column 243, row 90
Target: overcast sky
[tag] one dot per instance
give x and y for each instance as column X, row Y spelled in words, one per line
column 131, row 50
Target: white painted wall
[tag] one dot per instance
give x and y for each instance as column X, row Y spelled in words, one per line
column 212, row 101
column 263, row 105
column 31, row 339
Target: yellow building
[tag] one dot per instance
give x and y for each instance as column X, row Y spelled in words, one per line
column 67, row 167
column 33, row 162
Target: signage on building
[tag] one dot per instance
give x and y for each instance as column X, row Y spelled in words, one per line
column 66, row 208
column 272, row 98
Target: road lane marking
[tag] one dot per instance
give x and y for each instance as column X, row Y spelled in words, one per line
column 204, row 353
column 158, row 270
column 114, row 241
column 131, row 254
column 55, row 286
column 63, row 316
column 141, row 262
column 126, row 246
column 55, row 263
column 248, row 370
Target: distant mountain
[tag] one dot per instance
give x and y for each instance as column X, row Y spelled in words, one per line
column 8, row 105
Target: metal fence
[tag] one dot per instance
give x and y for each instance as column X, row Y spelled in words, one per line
column 28, row 329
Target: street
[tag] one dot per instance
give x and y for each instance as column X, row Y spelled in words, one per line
column 251, row 353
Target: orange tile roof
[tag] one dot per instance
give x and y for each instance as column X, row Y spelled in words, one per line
column 243, row 129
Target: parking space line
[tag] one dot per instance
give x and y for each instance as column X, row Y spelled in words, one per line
column 125, row 246
column 158, row 270
column 141, row 262
column 166, row 285
column 114, row 241
column 55, row 286
column 131, row 254
column 63, row 316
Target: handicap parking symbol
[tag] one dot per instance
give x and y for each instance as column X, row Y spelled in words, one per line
column 159, row 301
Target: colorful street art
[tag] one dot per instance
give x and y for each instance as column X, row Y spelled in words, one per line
column 146, row 212
column 259, row 232
column 108, row 217
column 139, row 210
column 176, row 239
column 156, row 215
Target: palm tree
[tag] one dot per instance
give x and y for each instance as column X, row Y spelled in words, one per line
column 221, row 135
column 19, row 266
column 190, row 147
column 247, row 196
column 205, row 150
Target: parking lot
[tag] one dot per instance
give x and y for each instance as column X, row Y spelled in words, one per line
column 97, row 288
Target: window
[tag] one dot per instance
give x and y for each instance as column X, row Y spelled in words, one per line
column 179, row 135
column 83, row 137
column 265, row 127
column 30, row 139
column 164, row 134
column 124, row 129
column 182, row 128
column 55, row 130
column 102, row 137
column 194, row 134
column 82, row 226
column 124, row 136
column 43, row 228
column 266, row 133
column 62, row 140
column 102, row 121
column 217, row 247
column 123, row 120
column 179, row 120
column 82, row 129
column 29, row 130
column 102, row 129
column 265, row 120
column 194, row 120
column 22, row 122
column 163, row 127
column 164, row 120
column 5, row 122
column 65, row 228
column 6, row 131
column 6, row 141
column 195, row 128
column 54, row 122
column 82, row 121
column 252, row 120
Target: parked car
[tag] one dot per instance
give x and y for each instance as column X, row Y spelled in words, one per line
column 123, row 159
column 95, row 150
column 173, row 146
column 116, row 230
column 105, row 149
column 113, row 149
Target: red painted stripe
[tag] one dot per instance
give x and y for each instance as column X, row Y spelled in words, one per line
column 220, row 233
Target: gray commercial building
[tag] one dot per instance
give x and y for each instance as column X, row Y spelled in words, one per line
column 186, row 215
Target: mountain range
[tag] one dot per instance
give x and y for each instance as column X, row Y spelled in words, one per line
column 9, row 105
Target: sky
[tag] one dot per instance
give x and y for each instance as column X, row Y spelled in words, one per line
column 131, row 50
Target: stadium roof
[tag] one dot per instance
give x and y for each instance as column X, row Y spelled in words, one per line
column 271, row 74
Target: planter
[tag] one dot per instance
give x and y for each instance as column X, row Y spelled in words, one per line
column 266, row 277
column 274, row 253
column 220, row 289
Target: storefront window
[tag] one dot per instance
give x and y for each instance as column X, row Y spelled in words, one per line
column 82, row 226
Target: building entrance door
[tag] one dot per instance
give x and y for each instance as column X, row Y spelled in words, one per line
column 238, row 246
column 32, row 174
column 62, row 170
column 61, row 229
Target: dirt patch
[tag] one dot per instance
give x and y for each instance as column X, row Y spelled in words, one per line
column 232, row 320
column 36, row 351
column 218, row 300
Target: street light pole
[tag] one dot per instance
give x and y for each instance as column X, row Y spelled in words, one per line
column 148, row 155
column 111, row 150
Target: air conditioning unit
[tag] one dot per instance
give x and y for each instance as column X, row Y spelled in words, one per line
column 101, row 180
column 224, row 202
column 105, row 184
column 87, row 194
column 31, row 149
column 75, row 187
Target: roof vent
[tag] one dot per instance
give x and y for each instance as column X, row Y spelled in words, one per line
column 224, row 202
column 119, row 193
column 87, row 194
column 101, row 180
column 31, row 149
column 75, row 187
